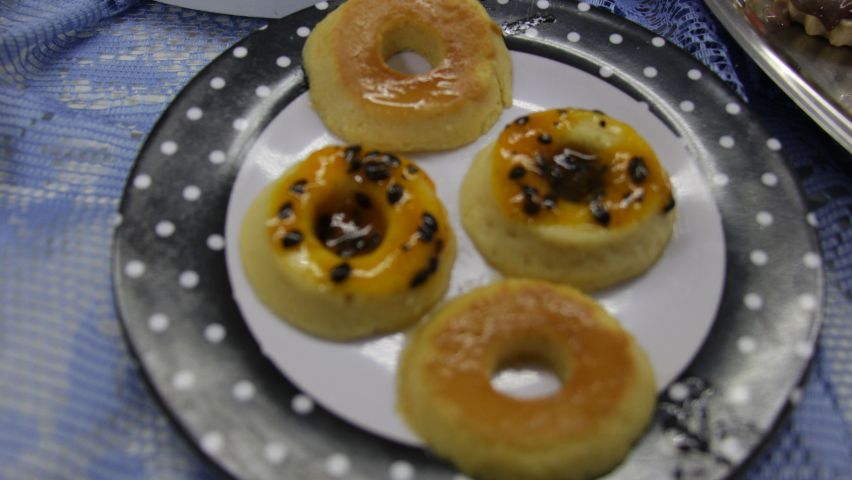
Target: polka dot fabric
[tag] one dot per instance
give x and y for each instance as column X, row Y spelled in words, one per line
column 65, row 372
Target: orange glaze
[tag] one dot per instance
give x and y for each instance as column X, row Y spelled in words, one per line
column 354, row 219
column 446, row 36
column 624, row 200
column 593, row 361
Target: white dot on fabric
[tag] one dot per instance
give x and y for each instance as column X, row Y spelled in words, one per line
column 720, row 179
column 753, row 301
column 243, row 391
column 240, row 124
column 502, row 2
column 733, row 108
column 401, row 470
column 573, row 37
column 262, row 91
column 322, row 5
column 658, row 41
column 531, row 32
column 303, row 31
column 616, row 39
column 739, row 395
column 773, row 144
column 194, row 113
column 542, row 4
column 302, row 404
column 746, row 344
column 337, row 465
column 168, row 147
column 769, row 179
column 678, row 392
column 605, row 72
column 649, row 72
column 583, row 6
column 687, row 106
column 214, row 333
column 283, row 61
column 216, row 156
column 240, row 52
column 694, row 74
column 808, row 302
column 183, row 380
column 191, row 193
column 275, row 453
column 142, row 181
column 217, row 83
column 812, row 260
column 759, row 257
column 134, row 269
column 212, row 442
column 164, row 229
column 764, row 219
column 804, row 349
column 188, row 279
column 812, row 219
column 726, row 141
column 158, row 322
column 216, row 242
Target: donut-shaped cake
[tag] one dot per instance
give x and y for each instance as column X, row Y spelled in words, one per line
column 571, row 196
column 582, row 430
column 348, row 243
column 363, row 100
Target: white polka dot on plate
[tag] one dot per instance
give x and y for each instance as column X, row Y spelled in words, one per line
column 188, row 279
column 337, row 465
column 616, row 39
column 812, row 260
column 583, row 6
column 191, row 193
column 217, row 83
column 183, row 380
column 240, row 52
column 759, row 257
column 678, row 392
column 573, row 37
column 158, row 322
column 753, row 301
column 808, row 302
column 134, row 269
column 812, row 219
column 275, row 453
column 215, row 333
column 262, row 91
column 542, row 4
column 502, row 2
column 283, row 61
column 658, row 41
column 240, row 124
column 720, row 179
column 804, row 350
column 739, row 395
column 605, row 72
column 216, row 156
column 117, row 219
column 263, row 27
column 302, row 404
column 303, row 31
column 733, row 108
column 531, row 32
column 773, row 144
column 649, row 72
column 694, row 74
column 216, row 242
column 243, row 391
column 164, row 229
column 168, row 147
column 769, row 179
column 194, row 113
column 142, row 181
column 727, row 141
column 746, row 344
column 764, row 219
column 212, row 442
column 796, row 396
column 322, row 5
column 732, row 449
column 401, row 470
column 687, row 106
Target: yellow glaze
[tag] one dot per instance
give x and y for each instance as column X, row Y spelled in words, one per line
column 609, row 145
column 334, row 183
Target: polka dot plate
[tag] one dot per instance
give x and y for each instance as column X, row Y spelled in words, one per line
column 729, row 315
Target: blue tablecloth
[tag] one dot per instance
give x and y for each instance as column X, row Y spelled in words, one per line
column 83, row 81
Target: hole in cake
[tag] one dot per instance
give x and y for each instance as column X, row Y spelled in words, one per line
column 350, row 225
column 526, row 378
column 410, row 63
column 411, row 49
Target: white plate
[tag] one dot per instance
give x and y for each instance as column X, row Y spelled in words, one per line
column 245, row 8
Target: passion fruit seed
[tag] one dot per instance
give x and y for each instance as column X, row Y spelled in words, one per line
column 637, row 169
column 428, row 227
column 599, row 212
column 395, row 192
column 299, row 186
column 286, row 211
column 340, row 272
column 292, row 238
column 363, row 200
column 517, row 172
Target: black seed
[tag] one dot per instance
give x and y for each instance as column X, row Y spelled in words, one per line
column 286, row 211
column 602, row 123
column 419, row 278
column 376, row 170
column 599, row 212
column 549, row 201
column 387, row 158
column 531, row 207
column 395, row 192
column 669, row 205
column 292, row 238
column 522, row 120
column 428, row 227
column 351, row 156
column 363, row 200
column 340, row 272
column 529, row 191
column 637, row 169
column 545, row 138
column 299, row 186
column 517, row 172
